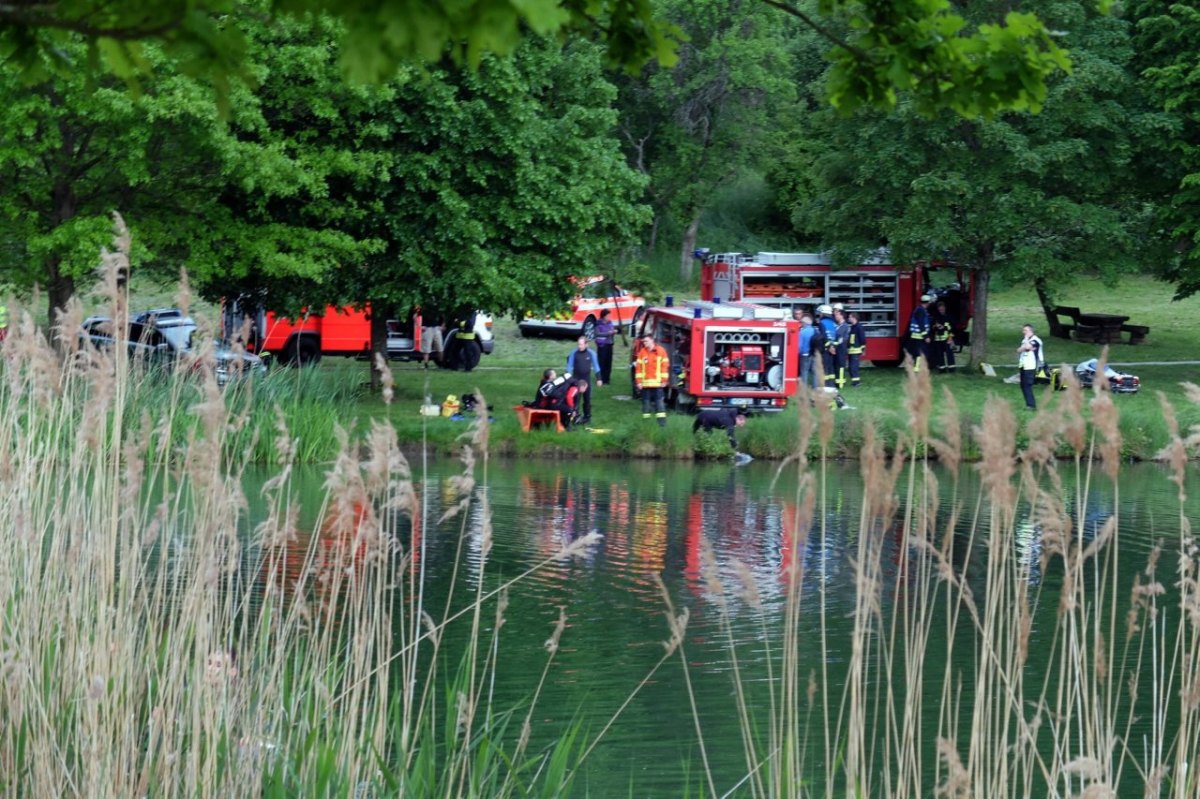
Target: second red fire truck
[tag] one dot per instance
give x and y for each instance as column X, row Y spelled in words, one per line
column 882, row 293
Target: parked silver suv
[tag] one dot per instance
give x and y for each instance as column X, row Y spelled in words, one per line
column 161, row 336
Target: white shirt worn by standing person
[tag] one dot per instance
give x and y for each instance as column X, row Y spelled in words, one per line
column 1030, row 352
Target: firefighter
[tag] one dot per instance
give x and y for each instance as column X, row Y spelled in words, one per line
column 728, row 418
column 829, row 334
column 942, row 327
column 651, row 371
column 856, row 345
column 840, row 347
column 462, row 350
column 917, row 343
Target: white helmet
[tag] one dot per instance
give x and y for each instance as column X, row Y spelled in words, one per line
column 837, row 306
column 926, row 298
column 824, row 310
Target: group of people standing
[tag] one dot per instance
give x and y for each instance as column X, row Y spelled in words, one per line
column 570, row 393
column 445, row 339
column 837, row 341
column 930, row 337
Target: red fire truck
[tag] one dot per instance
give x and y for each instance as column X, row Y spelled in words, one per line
column 882, row 294
column 728, row 354
column 347, row 331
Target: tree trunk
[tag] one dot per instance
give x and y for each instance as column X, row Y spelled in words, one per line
column 1052, row 325
column 60, row 288
column 979, row 326
column 686, row 259
column 379, row 318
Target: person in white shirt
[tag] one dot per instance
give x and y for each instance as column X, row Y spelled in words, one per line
column 1030, row 358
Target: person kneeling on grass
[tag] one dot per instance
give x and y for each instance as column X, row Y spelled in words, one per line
column 728, row 418
column 567, row 398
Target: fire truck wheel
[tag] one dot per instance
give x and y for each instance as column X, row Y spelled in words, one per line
column 589, row 328
column 303, row 351
column 886, row 364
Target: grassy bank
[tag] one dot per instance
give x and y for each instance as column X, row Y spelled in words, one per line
column 313, row 402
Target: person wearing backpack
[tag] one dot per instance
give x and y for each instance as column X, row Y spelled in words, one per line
column 1030, row 358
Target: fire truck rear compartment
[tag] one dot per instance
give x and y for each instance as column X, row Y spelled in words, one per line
column 744, row 360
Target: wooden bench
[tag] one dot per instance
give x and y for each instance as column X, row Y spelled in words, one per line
column 1137, row 333
column 1060, row 329
column 536, row 417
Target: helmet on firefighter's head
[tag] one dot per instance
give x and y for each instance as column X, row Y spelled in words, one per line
column 926, row 298
column 824, row 310
column 837, row 306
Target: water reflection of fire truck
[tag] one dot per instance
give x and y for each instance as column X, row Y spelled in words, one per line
column 882, row 293
column 726, row 354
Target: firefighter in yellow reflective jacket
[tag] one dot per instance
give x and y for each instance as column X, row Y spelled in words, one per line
column 839, row 345
column 918, row 340
column 943, row 334
column 651, row 371
column 856, row 346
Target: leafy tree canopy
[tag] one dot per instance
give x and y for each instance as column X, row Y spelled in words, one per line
column 882, row 48
column 1168, row 43
column 1044, row 196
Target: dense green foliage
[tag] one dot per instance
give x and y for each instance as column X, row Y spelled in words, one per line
column 1033, row 196
column 485, row 187
column 1168, row 46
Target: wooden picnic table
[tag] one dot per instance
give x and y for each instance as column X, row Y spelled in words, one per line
column 1100, row 328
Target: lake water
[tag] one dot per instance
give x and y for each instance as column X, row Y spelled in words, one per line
column 653, row 517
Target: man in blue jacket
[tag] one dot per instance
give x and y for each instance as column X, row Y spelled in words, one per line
column 808, row 372
column 582, row 364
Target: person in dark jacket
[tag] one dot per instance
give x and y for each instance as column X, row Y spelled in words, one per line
column 829, row 334
column 582, row 364
column 855, row 347
column 566, row 398
column 919, row 332
column 605, row 331
column 728, row 418
column 840, row 346
column 942, row 324
column 542, row 398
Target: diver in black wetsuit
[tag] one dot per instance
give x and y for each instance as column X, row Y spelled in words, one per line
column 728, row 418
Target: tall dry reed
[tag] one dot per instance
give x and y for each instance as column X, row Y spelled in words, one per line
column 1108, row 704
column 153, row 644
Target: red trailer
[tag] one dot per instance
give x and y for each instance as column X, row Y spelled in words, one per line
column 882, row 293
column 733, row 354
